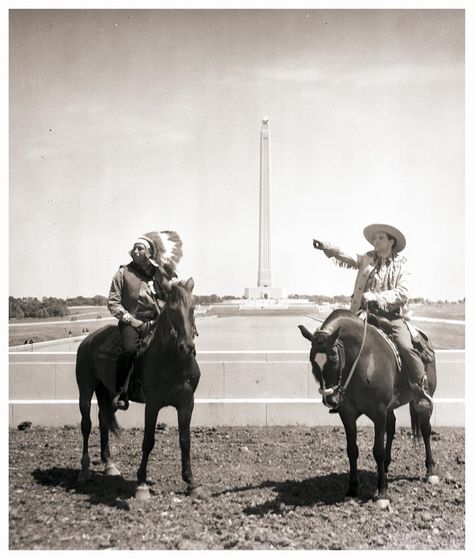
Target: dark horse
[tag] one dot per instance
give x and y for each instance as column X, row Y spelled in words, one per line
column 375, row 389
column 170, row 375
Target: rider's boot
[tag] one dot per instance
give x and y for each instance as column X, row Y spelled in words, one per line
column 423, row 400
column 120, row 400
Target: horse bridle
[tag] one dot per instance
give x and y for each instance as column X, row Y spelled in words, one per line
column 339, row 387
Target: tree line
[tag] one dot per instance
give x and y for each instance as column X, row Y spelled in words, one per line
column 47, row 307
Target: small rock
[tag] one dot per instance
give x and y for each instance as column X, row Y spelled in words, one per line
column 24, row 426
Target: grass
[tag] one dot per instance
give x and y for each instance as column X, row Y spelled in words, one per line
column 444, row 336
column 454, row 311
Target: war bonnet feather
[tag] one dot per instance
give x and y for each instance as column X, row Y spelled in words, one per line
column 168, row 251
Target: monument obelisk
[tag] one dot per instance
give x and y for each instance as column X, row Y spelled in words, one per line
column 264, row 255
column 264, row 289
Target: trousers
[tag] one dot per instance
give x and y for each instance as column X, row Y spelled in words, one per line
column 409, row 356
column 130, row 339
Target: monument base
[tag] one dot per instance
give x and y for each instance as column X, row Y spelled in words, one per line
column 264, row 293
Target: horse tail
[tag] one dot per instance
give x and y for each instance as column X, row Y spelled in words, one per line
column 106, row 409
column 415, row 425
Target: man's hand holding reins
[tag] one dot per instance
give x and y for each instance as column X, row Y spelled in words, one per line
column 135, row 323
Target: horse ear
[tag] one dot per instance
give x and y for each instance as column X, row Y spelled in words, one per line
column 189, row 285
column 306, row 333
column 324, row 340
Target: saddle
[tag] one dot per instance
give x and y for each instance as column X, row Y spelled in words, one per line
column 108, row 354
column 421, row 343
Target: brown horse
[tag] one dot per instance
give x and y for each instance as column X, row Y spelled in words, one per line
column 361, row 377
column 170, row 375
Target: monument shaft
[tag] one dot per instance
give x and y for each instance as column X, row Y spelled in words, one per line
column 264, row 253
column 264, row 294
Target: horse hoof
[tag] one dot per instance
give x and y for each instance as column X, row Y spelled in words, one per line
column 142, row 492
column 433, row 480
column 383, row 504
column 111, row 470
column 194, row 491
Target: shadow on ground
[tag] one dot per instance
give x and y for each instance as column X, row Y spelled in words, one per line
column 323, row 490
column 113, row 491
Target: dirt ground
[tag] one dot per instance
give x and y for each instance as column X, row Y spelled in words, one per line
column 263, row 488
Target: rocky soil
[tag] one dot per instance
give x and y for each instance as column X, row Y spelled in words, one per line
column 263, row 488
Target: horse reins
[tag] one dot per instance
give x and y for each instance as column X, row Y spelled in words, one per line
column 342, row 389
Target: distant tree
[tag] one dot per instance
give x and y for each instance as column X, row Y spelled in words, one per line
column 99, row 300
column 14, row 309
column 207, row 299
column 42, row 313
column 31, row 307
column 417, row 300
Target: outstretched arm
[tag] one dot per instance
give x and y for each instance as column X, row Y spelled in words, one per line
column 339, row 257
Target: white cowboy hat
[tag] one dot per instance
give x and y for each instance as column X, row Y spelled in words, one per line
column 400, row 241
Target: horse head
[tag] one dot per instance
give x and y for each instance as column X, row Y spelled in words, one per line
column 179, row 317
column 322, row 340
column 325, row 340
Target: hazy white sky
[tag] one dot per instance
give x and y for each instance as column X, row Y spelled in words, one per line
column 127, row 121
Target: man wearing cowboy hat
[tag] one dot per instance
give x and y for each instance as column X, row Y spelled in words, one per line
column 382, row 285
column 137, row 294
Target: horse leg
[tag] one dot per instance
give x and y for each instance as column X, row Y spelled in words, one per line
column 425, row 427
column 380, row 423
column 110, row 469
column 151, row 415
column 85, row 397
column 391, row 421
column 350, row 427
column 184, row 420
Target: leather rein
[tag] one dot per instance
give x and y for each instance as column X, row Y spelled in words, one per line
column 339, row 387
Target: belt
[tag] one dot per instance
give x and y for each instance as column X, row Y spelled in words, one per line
column 389, row 315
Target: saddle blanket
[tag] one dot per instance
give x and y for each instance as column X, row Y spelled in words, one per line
column 393, row 347
column 421, row 343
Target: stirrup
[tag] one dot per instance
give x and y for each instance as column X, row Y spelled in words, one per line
column 423, row 401
column 423, row 405
column 120, row 402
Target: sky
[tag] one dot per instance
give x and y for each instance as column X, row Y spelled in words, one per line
column 126, row 121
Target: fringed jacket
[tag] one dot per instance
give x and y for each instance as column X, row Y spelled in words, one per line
column 391, row 288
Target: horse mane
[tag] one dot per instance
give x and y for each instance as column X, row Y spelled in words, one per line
column 333, row 320
column 177, row 294
column 178, row 291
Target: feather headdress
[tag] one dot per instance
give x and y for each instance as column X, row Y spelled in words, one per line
column 167, row 249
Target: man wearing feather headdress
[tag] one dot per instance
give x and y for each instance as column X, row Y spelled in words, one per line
column 382, row 286
column 137, row 294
